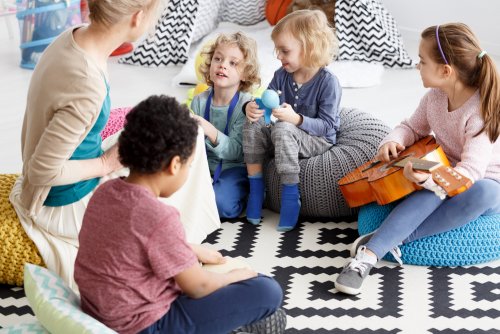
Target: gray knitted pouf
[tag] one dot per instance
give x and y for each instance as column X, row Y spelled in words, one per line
column 357, row 142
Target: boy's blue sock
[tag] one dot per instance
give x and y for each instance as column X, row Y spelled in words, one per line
column 290, row 207
column 255, row 198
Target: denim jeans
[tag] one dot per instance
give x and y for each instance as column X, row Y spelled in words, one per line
column 224, row 310
column 423, row 214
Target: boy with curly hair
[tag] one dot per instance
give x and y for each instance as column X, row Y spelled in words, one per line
column 231, row 70
column 134, row 268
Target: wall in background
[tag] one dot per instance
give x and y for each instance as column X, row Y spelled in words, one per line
column 481, row 15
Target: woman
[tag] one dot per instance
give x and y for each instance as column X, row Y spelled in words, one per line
column 67, row 107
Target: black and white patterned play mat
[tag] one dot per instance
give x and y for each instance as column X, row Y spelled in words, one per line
column 306, row 261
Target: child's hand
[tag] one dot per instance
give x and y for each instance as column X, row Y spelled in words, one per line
column 287, row 114
column 208, row 255
column 389, row 151
column 413, row 175
column 253, row 112
column 209, row 130
column 201, row 121
column 242, row 274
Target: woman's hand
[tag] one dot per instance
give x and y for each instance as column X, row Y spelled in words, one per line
column 111, row 160
column 389, row 151
column 286, row 114
column 417, row 177
column 207, row 256
column 253, row 112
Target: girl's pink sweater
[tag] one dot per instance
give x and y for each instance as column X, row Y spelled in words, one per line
column 473, row 156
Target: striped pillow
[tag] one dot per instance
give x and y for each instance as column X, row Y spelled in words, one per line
column 55, row 305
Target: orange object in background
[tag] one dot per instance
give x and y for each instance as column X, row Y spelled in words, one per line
column 276, row 10
column 84, row 11
column 122, row 49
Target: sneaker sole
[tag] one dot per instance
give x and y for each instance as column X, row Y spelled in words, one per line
column 274, row 324
column 347, row 290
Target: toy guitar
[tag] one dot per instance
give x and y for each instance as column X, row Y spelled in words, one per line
column 384, row 182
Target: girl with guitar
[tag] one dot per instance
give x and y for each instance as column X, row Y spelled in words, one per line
column 462, row 109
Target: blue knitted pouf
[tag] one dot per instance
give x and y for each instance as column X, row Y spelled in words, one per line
column 476, row 242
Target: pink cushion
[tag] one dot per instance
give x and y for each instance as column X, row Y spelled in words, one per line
column 116, row 121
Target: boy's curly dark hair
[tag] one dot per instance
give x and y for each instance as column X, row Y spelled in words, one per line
column 156, row 130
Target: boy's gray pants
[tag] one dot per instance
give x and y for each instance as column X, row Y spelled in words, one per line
column 286, row 142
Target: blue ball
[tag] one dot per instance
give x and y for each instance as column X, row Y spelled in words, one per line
column 270, row 99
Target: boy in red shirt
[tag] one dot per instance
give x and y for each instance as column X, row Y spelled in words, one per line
column 135, row 270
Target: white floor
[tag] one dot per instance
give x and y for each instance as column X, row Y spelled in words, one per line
column 395, row 98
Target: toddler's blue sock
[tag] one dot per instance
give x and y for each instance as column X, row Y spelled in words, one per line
column 290, row 207
column 255, row 198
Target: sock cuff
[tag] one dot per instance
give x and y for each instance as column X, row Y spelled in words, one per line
column 256, row 176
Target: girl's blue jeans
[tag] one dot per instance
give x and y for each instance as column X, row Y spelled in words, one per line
column 423, row 214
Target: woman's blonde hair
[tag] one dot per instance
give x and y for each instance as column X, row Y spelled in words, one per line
column 460, row 49
column 109, row 12
column 250, row 66
column 311, row 28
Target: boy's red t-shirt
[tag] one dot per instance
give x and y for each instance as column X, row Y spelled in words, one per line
column 131, row 247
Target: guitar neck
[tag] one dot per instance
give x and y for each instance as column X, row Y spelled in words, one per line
column 419, row 164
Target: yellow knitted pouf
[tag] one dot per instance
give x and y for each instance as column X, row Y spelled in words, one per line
column 16, row 248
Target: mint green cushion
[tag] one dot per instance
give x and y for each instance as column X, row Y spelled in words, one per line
column 26, row 328
column 55, row 305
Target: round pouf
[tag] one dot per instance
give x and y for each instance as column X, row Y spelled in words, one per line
column 476, row 242
column 16, row 248
column 357, row 142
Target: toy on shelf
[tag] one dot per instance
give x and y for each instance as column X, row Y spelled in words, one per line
column 40, row 22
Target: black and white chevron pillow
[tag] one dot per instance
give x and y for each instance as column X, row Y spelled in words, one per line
column 207, row 18
column 243, row 12
column 172, row 38
column 368, row 32
column 186, row 21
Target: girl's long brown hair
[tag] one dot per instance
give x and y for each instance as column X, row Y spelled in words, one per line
column 461, row 49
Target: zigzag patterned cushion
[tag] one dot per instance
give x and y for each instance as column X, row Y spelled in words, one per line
column 207, row 18
column 16, row 248
column 176, row 29
column 368, row 32
column 55, row 305
column 170, row 43
column 252, row 10
column 357, row 142
column 476, row 242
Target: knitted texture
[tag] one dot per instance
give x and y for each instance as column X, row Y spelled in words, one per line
column 357, row 142
column 16, row 248
column 115, row 122
column 475, row 242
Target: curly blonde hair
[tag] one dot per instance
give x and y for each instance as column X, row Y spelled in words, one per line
column 311, row 28
column 250, row 64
